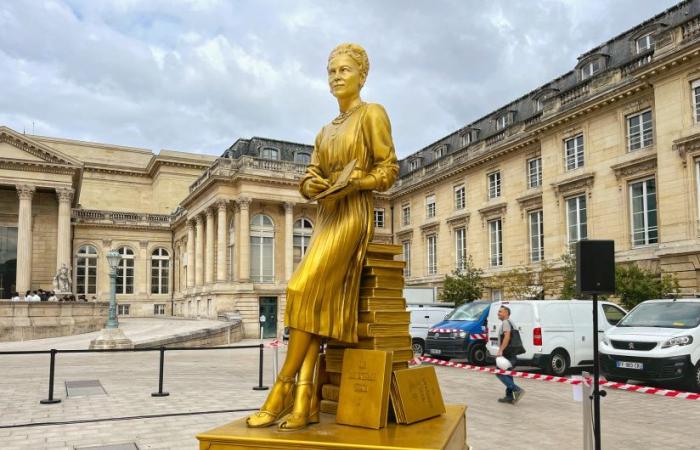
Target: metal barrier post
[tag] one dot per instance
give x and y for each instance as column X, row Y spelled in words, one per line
column 52, row 365
column 160, row 392
column 260, row 386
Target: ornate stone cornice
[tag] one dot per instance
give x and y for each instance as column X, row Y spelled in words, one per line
column 25, row 191
column 637, row 166
column 430, row 227
column 41, row 151
column 65, row 195
column 530, row 201
column 687, row 147
column 580, row 182
column 459, row 220
column 405, row 234
column 493, row 211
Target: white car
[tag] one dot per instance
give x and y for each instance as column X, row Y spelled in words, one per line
column 659, row 340
column 422, row 318
column 556, row 334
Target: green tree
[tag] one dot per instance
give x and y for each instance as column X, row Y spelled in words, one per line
column 464, row 285
column 568, row 289
column 634, row 285
column 517, row 283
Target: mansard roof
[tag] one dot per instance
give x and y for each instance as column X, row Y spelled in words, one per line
column 254, row 146
column 618, row 51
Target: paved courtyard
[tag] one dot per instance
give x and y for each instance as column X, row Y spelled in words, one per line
column 205, row 381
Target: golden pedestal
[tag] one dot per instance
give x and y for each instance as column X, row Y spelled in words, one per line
column 447, row 432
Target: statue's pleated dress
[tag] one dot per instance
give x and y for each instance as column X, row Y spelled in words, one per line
column 322, row 294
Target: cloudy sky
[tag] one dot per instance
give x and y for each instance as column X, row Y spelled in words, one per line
column 195, row 75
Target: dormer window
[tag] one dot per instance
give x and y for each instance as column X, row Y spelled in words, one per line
column 591, row 65
column 541, row 97
column 501, row 122
column 440, row 151
column 539, row 105
column 413, row 164
column 468, row 135
column 591, row 68
column 466, row 139
column 645, row 43
column 270, row 153
column 302, row 158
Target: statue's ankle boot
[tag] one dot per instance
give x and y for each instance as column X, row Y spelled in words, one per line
column 300, row 416
column 284, row 388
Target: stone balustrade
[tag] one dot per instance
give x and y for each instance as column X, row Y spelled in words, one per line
column 21, row 321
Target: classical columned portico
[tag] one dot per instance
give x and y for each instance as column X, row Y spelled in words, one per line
column 221, row 241
column 191, row 264
column 24, row 238
column 199, row 252
column 209, row 257
column 244, row 241
column 288, row 239
column 63, row 235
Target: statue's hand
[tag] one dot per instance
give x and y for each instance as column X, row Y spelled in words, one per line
column 353, row 186
column 315, row 186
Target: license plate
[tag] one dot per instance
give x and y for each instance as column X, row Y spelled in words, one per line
column 630, row 365
column 435, row 351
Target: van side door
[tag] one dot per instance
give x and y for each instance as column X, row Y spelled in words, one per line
column 582, row 316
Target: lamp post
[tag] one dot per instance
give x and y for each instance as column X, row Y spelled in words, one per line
column 113, row 259
column 111, row 335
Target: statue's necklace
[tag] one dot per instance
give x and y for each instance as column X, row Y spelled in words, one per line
column 341, row 118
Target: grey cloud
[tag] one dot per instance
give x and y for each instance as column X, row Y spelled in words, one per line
column 196, row 75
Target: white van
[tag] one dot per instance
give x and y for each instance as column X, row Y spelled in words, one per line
column 556, row 334
column 659, row 340
column 422, row 318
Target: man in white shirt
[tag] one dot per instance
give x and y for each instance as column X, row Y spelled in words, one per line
column 35, row 297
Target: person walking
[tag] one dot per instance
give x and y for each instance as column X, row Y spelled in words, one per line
column 514, row 393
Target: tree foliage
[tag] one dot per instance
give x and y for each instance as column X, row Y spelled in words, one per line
column 464, row 285
column 568, row 287
column 633, row 284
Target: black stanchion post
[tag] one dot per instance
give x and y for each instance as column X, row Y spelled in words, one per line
column 52, row 367
column 260, row 386
column 160, row 392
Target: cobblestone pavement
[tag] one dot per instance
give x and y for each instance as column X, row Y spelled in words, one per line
column 547, row 418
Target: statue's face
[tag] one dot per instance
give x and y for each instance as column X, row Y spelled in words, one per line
column 344, row 77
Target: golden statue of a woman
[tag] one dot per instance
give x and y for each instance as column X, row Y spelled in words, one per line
column 322, row 294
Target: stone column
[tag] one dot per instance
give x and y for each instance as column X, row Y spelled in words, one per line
column 191, row 264
column 288, row 239
column 209, row 258
column 63, row 238
column 24, row 238
column 199, row 252
column 222, row 242
column 244, row 241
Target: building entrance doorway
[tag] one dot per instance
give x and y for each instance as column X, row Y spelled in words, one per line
column 268, row 308
column 8, row 261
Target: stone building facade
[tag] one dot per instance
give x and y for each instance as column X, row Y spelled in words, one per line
column 609, row 150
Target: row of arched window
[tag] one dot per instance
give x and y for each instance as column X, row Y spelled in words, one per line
column 86, row 271
column 262, row 259
column 262, row 246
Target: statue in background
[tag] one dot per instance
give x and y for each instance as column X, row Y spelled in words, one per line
column 323, row 292
column 61, row 281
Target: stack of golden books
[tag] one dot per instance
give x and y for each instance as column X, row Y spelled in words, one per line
column 383, row 322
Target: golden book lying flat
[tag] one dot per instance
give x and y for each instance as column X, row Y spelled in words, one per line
column 386, row 317
column 415, row 394
column 382, row 303
column 364, row 388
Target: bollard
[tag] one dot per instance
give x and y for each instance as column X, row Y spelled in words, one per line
column 52, row 366
column 260, row 386
column 160, row 392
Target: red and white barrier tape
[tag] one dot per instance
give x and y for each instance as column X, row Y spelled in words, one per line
column 563, row 380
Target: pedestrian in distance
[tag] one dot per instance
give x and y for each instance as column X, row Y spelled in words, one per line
column 15, row 297
column 510, row 346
